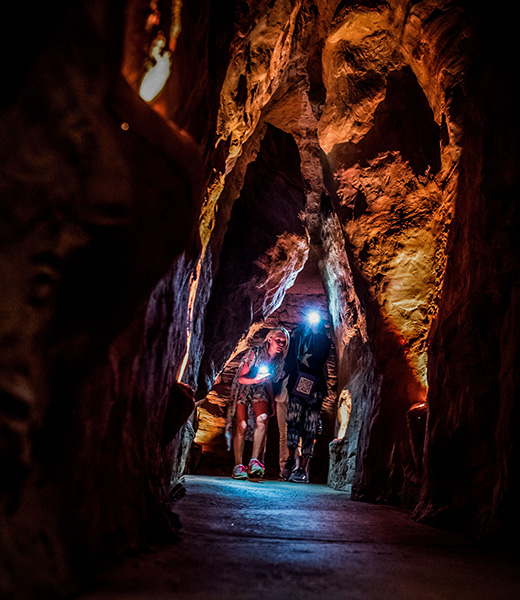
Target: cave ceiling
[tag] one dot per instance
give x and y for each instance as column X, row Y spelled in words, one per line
column 329, row 130
column 367, row 103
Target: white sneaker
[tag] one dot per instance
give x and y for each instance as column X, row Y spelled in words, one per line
column 256, row 469
column 239, row 472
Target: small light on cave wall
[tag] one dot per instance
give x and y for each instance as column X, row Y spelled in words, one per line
column 344, row 410
column 158, row 70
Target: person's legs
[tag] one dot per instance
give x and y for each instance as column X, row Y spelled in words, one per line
column 260, row 408
column 294, row 421
column 310, row 425
column 281, row 416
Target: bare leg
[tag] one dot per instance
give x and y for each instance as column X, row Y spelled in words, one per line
column 260, row 435
column 238, row 441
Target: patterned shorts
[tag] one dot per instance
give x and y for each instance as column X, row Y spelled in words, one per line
column 249, row 394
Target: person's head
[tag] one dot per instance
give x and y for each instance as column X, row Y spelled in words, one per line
column 276, row 342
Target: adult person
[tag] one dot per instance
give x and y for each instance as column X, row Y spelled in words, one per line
column 307, row 385
column 253, row 399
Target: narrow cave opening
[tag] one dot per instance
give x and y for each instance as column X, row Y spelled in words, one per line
column 265, row 278
column 209, row 453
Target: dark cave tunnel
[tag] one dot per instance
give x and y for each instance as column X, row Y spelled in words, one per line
column 356, row 156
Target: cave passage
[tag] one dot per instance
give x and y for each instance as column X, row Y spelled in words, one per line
column 150, row 232
column 277, row 540
column 209, row 455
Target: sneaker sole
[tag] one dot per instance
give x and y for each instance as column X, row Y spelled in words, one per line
column 298, row 480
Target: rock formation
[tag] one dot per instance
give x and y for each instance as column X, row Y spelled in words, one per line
column 143, row 240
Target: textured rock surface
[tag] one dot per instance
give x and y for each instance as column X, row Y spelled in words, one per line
column 264, row 247
column 370, row 94
column 474, row 343
column 93, row 216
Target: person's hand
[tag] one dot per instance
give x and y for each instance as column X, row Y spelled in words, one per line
column 263, row 373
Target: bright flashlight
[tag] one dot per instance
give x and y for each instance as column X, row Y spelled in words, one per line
column 263, row 370
column 313, row 317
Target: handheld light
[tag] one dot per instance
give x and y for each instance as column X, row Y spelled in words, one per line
column 263, row 370
column 313, row 317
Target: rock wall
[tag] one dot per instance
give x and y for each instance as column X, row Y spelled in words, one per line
column 377, row 200
column 380, row 99
column 265, row 245
column 472, row 435
column 100, row 202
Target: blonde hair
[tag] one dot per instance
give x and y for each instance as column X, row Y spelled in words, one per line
column 279, row 359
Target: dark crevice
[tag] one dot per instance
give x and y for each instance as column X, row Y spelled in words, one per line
column 404, row 123
column 269, row 205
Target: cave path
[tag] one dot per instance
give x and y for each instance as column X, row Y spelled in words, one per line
column 244, row 540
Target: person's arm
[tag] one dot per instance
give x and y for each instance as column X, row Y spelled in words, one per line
column 245, row 370
column 291, row 361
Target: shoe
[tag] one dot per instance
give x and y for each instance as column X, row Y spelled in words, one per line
column 299, row 476
column 239, row 472
column 287, row 470
column 256, row 469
